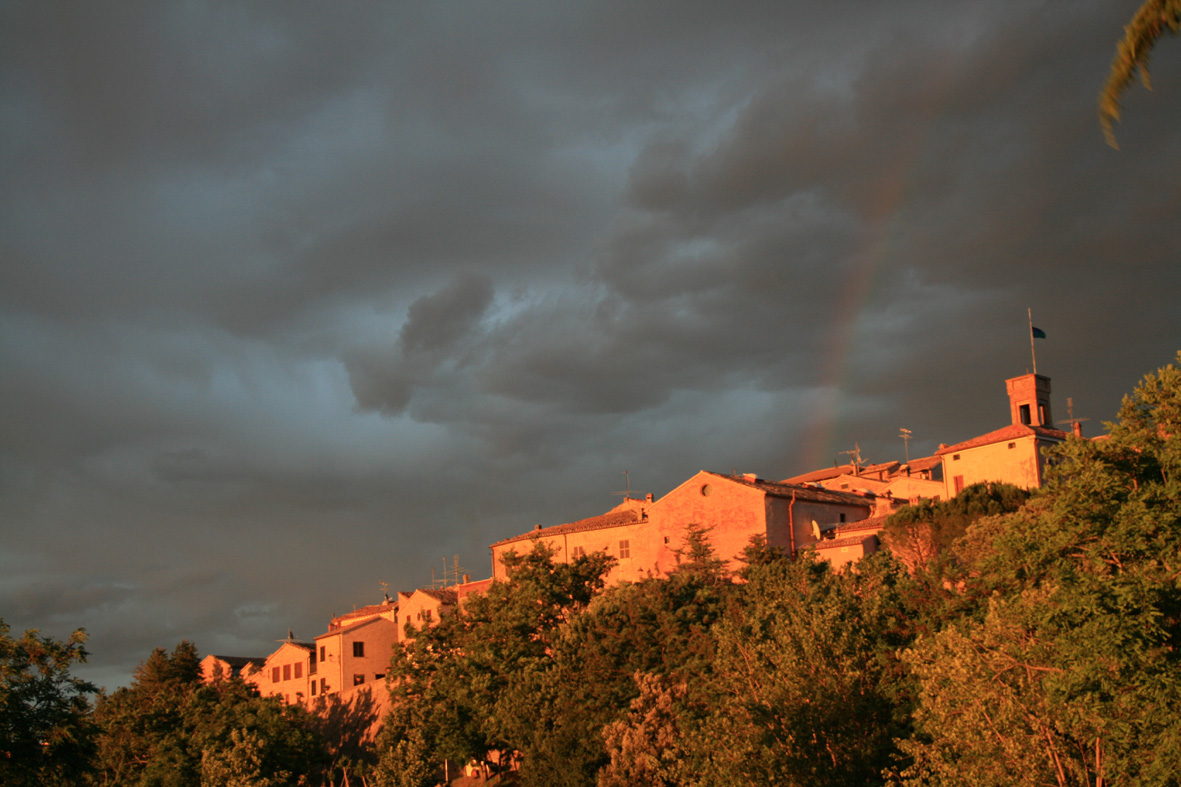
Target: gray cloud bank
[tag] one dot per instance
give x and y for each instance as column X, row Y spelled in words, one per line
column 298, row 299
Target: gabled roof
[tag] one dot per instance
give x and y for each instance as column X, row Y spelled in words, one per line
column 880, row 469
column 310, row 647
column 785, row 490
column 351, row 628
column 237, row 663
column 614, row 518
column 445, row 595
column 1010, row 432
column 369, row 610
column 926, row 463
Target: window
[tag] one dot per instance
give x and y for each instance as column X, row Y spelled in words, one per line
column 322, row 653
column 578, row 552
column 625, row 549
column 705, row 490
column 286, row 672
column 323, row 685
column 298, row 669
column 959, row 484
column 275, row 675
column 1012, row 445
column 842, row 517
column 379, row 676
column 955, row 458
column 313, row 688
column 425, row 615
column 666, row 539
column 1024, row 414
column 358, row 650
column 358, row 680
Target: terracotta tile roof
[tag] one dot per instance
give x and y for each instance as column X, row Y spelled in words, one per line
column 926, row 463
column 840, row 542
column 366, row 611
column 819, row 475
column 875, row 472
column 1010, row 432
column 872, row 524
column 610, row 519
column 445, row 595
column 801, row 491
column 349, row 627
column 239, row 662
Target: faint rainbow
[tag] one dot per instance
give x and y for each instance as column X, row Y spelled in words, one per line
column 818, row 446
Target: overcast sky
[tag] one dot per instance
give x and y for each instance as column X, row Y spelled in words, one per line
column 299, row 298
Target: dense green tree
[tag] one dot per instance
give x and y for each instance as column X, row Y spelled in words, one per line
column 170, row 729
column 1152, row 20
column 1065, row 677
column 471, row 685
column 807, row 686
column 922, row 533
column 45, row 735
column 658, row 629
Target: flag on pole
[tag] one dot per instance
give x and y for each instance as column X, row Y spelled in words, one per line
column 1037, row 333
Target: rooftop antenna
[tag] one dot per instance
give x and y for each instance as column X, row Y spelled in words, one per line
column 1070, row 412
column 627, row 482
column 904, row 433
column 855, row 456
column 385, row 591
column 456, row 572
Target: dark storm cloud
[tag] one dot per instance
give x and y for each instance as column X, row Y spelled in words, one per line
column 298, row 299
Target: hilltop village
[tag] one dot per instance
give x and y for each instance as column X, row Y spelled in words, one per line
column 835, row 512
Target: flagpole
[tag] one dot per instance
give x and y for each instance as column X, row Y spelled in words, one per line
column 1032, row 351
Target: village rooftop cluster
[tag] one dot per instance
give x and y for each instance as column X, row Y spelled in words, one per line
column 836, row 512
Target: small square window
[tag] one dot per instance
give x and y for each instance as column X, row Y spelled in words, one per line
column 358, row 680
column 358, row 650
column 1012, row 445
column 625, row 549
column 955, row 458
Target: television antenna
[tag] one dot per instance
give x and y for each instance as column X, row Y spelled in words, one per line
column 855, row 456
column 1070, row 412
column 627, row 482
column 904, row 433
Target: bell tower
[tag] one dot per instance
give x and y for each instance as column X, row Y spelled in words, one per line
column 1029, row 400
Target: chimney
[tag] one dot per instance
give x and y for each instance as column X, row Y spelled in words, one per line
column 467, row 578
column 648, row 497
column 751, row 477
column 1078, row 429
